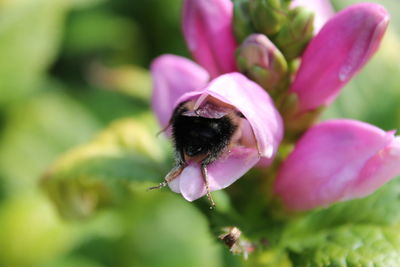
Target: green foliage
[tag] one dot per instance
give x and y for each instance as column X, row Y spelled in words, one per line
column 112, row 38
column 353, row 232
column 97, row 174
column 361, row 245
column 183, row 229
column 31, row 232
column 30, row 32
column 35, row 140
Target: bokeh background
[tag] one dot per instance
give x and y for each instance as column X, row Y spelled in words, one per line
column 70, row 69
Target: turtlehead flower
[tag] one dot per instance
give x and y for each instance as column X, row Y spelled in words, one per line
column 337, row 160
column 258, row 125
column 333, row 161
column 340, row 49
column 207, row 28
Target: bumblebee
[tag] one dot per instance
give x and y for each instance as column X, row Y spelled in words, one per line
column 201, row 134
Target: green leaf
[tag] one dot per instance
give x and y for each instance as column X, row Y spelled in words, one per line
column 91, row 32
column 84, row 4
column 361, row 245
column 163, row 229
column 269, row 258
column 380, row 208
column 350, row 233
column 73, row 262
column 31, row 231
column 99, row 173
column 30, row 31
column 36, row 131
column 129, row 80
column 147, row 229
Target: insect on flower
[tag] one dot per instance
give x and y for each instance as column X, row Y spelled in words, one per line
column 220, row 128
column 202, row 134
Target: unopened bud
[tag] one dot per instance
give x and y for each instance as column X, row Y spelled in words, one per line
column 296, row 33
column 337, row 53
column 261, row 61
column 268, row 15
column 242, row 25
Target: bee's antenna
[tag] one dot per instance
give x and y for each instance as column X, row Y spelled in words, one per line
column 163, row 130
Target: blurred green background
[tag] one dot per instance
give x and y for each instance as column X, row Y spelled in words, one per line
column 70, row 69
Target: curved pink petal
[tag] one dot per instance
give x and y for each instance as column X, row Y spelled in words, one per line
column 335, row 161
column 322, row 8
column 207, row 27
column 172, row 77
column 378, row 170
column 221, row 173
column 174, row 185
column 338, row 52
column 252, row 101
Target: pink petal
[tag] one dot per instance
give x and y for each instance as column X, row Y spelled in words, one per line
column 174, row 185
column 207, row 27
column 254, row 103
column 378, row 170
column 221, row 173
column 337, row 160
column 322, row 8
column 338, row 52
column 172, row 77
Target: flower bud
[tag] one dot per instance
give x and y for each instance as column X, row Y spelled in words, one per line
column 322, row 9
column 296, row 33
column 267, row 15
column 337, row 160
column 207, row 28
column 342, row 47
column 260, row 60
column 242, row 26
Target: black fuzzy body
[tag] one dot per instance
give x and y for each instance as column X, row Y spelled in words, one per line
column 199, row 136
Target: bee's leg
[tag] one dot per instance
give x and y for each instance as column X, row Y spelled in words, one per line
column 205, row 177
column 175, row 172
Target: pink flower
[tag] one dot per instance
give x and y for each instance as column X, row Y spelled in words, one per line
column 335, row 161
column 207, row 27
column 172, row 77
column 337, row 53
column 259, row 125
